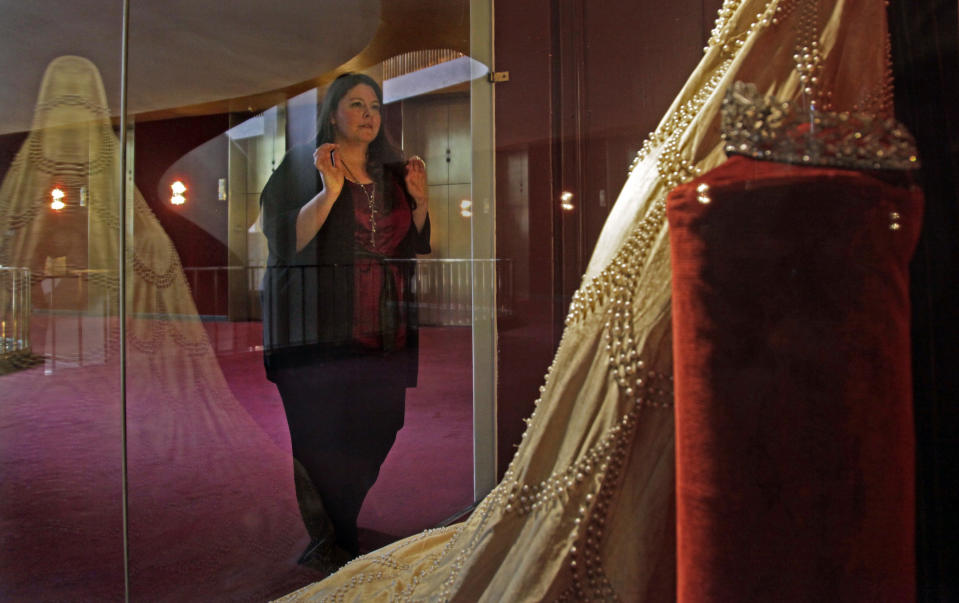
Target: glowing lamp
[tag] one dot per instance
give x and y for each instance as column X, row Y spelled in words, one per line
column 57, row 195
column 178, row 189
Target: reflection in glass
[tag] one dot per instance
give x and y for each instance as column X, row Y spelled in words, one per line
column 60, row 423
column 426, row 476
column 344, row 216
column 212, row 513
column 197, row 462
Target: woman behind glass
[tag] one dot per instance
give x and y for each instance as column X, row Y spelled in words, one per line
column 344, row 218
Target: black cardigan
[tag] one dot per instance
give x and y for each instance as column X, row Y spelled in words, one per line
column 308, row 295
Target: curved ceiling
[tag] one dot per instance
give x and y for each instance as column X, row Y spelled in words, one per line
column 201, row 56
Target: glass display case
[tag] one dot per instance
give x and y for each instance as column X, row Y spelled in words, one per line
column 168, row 366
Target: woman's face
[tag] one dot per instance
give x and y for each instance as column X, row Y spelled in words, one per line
column 357, row 116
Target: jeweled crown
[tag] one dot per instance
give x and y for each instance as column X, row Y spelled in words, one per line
column 788, row 131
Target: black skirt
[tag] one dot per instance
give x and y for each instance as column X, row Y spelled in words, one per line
column 343, row 416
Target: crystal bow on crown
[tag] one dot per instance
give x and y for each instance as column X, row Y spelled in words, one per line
column 764, row 128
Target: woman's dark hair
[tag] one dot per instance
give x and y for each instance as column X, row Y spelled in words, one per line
column 382, row 152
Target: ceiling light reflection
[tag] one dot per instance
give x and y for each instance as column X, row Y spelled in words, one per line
column 178, row 189
column 57, row 195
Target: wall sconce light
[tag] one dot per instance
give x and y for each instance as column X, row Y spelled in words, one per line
column 466, row 208
column 57, row 195
column 178, row 189
column 565, row 199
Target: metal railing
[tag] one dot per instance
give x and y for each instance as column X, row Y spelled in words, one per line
column 443, row 287
column 76, row 311
column 15, row 308
column 77, row 322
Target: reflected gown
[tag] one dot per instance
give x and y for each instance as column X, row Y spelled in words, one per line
column 586, row 508
column 198, row 464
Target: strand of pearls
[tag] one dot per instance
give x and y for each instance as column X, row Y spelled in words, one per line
column 720, row 31
column 588, row 578
column 613, row 290
column 808, row 59
column 880, row 100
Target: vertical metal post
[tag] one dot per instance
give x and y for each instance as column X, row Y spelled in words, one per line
column 483, row 249
column 126, row 201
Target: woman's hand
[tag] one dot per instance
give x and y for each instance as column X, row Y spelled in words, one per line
column 330, row 167
column 416, row 185
column 416, row 180
column 313, row 214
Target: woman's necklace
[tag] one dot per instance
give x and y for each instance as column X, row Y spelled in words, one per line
column 371, row 195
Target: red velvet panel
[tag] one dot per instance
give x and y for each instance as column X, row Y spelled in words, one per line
column 794, row 441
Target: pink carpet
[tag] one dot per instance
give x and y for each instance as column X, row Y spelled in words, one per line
column 212, row 514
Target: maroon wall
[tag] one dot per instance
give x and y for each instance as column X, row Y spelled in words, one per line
column 9, row 146
column 160, row 144
column 524, row 217
column 588, row 82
